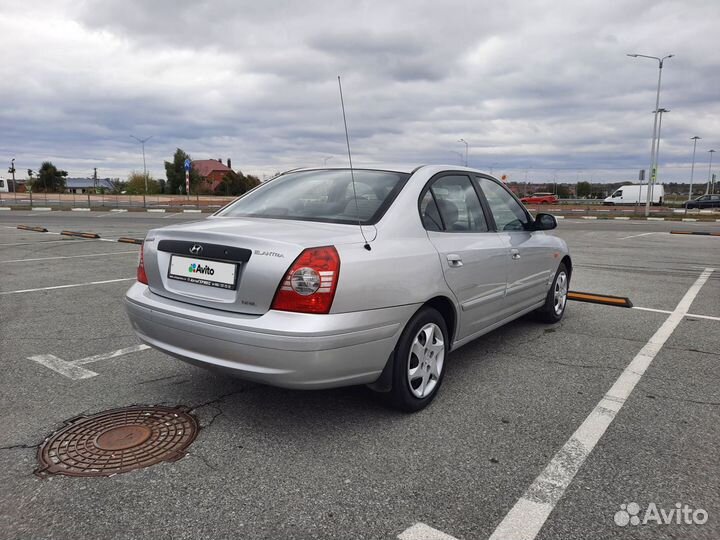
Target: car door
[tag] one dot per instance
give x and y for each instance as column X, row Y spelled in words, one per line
column 532, row 257
column 474, row 259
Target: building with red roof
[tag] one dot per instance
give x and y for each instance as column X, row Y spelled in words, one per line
column 211, row 171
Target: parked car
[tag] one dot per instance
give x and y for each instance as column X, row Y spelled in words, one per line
column 323, row 278
column 706, row 201
column 636, row 194
column 540, row 198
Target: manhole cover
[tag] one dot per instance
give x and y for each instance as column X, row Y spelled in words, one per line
column 118, row 441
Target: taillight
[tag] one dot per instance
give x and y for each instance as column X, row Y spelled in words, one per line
column 309, row 285
column 141, row 276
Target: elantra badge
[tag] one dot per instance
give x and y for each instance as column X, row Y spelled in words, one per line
column 196, row 249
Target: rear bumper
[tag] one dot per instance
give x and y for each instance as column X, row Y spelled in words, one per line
column 291, row 350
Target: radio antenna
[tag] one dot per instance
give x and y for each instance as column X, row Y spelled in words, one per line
column 352, row 174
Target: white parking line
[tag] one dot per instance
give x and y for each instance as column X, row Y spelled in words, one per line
column 652, row 309
column 73, row 370
column 636, row 235
column 68, row 239
column 135, row 251
column 68, row 286
column 420, row 531
column 709, row 317
column 526, row 518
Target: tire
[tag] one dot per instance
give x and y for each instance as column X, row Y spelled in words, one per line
column 419, row 362
column 556, row 300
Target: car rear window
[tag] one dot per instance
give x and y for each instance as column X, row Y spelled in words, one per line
column 322, row 195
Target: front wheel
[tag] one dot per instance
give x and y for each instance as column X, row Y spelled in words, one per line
column 556, row 300
column 419, row 362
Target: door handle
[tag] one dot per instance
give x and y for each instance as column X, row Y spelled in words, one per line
column 515, row 254
column 454, row 260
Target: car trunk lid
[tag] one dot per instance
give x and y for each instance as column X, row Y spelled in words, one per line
column 234, row 264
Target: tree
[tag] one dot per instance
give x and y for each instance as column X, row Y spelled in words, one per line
column 49, row 179
column 563, row 191
column 236, row 183
column 583, row 189
column 136, row 184
column 175, row 173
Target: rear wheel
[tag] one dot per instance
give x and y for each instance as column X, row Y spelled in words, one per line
column 556, row 300
column 419, row 362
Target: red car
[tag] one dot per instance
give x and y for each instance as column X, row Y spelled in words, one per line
column 540, row 198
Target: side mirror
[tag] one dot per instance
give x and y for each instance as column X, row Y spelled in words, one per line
column 545, row 222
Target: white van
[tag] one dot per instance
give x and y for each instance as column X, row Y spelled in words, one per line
column 636, row 194
column 4, row 187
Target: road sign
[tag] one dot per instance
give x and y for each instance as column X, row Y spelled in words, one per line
column 641, row 176
column 188, row 165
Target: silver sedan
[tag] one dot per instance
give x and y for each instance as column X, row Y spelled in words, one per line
column 322, row 278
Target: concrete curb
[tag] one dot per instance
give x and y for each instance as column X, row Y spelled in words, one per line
column 126, row 240
column 5, row 208
column 80, row 234
column 156, row 210
column 699, row 233
column 624, row 218
column 118, row 209
column 79, row 209
column 31, row 228
column 689, row 219
column 192, row 211
column 40, row 209
column 655, row 219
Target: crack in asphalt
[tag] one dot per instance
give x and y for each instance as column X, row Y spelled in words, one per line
column 203, row 459
column 21, row 446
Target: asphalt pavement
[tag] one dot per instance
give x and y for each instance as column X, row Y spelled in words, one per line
column 273, row 463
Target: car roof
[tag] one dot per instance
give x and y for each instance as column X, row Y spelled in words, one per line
column 393, row 167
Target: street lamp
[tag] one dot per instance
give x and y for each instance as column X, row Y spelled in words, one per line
column 466, row 150
column 707, row 190
column 692, row 169
column 325, row 160
column 657, row 150
column 651, row 180
column 142, row 142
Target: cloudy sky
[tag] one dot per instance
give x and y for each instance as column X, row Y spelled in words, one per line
column 542, row 85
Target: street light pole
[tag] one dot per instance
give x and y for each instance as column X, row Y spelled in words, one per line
column 655, row 123
column 692, row 168
column 707, row 189
column 142, row 142
column 466, row 150
column 657, row 151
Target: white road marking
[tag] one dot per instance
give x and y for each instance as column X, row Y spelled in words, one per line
column 73, row 370
column 420, row 531
column 526, row 518
column 652, row 309
column 709, row 317
column 636, row 235
column 71, row 256
column 68, row 239
column 68, row 286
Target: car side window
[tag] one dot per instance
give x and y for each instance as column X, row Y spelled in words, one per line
column 455, row 202
column 429, row 213
column 508, row 214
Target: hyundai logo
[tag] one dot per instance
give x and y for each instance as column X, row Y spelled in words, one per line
column 196, row 249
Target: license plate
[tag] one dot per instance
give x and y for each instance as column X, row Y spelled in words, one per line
column 203, row 272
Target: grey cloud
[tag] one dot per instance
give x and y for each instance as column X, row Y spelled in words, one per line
column 537, row 83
